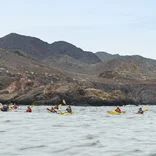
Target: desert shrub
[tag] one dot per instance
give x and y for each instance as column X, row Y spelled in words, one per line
column 20, row 53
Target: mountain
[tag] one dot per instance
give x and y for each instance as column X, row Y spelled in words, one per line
column 64, row 48
column 104, row 56
column 41, row 50
column 30, row 45
column 67, row 57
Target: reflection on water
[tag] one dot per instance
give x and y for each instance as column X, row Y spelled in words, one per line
column 91, row 132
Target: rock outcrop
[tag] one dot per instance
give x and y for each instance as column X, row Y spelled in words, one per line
column 26, row 91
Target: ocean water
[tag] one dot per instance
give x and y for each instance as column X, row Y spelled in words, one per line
column 90, row 132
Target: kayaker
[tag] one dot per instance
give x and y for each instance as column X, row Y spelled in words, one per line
column 118, row 110
column 53, row 110
column 140, row 111
column 5, row 108
column 15, row 106
column 69, row 110
column 29, row 109
column 56, row 107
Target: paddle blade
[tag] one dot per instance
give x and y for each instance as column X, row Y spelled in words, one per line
column 146, row 110
column 64, row 102
column 32, row 106
column 59, row 105
column 0, row 104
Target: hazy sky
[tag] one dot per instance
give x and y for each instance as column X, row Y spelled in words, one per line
column 126, row 27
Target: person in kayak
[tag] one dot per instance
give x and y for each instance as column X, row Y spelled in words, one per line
column 118, row 110
column 69, row 110
column 52, row 110
column 5, row 108
column 29, row 109
column 56, row 107
column 140, row 111
column 15, row 106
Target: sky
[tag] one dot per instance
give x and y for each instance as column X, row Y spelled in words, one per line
column 125, row 27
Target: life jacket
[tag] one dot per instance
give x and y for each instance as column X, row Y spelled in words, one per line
column 15, row 106
column 69, row 110
column 140, row 112
column 29, row 110
column 118, row 110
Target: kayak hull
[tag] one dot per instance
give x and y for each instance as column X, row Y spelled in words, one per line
column 66, row 113
column 115, row 113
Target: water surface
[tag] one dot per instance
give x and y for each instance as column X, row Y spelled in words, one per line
column 91, row 132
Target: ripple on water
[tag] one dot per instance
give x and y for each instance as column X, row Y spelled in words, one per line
column 61, row 150
column 7, row 121
column 2, row 131
column 32, row 147
column 90, row 144
column 90, row 137
column 153, row 154
column 60, row 125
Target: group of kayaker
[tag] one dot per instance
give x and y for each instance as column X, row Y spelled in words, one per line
column 6, row 108
column 140, row 111
column 56, row 108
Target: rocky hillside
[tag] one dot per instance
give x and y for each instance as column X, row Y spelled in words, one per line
column 17, row 64
column 135, row 67
column 67, row 63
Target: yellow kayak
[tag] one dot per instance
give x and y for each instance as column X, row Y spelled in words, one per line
column 115, row 113
column 66, row 113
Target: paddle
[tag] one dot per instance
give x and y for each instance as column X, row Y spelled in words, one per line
column 63, row 101
column 32, row 106
column 146, row 110
column 59, row 105
column 52, row 111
